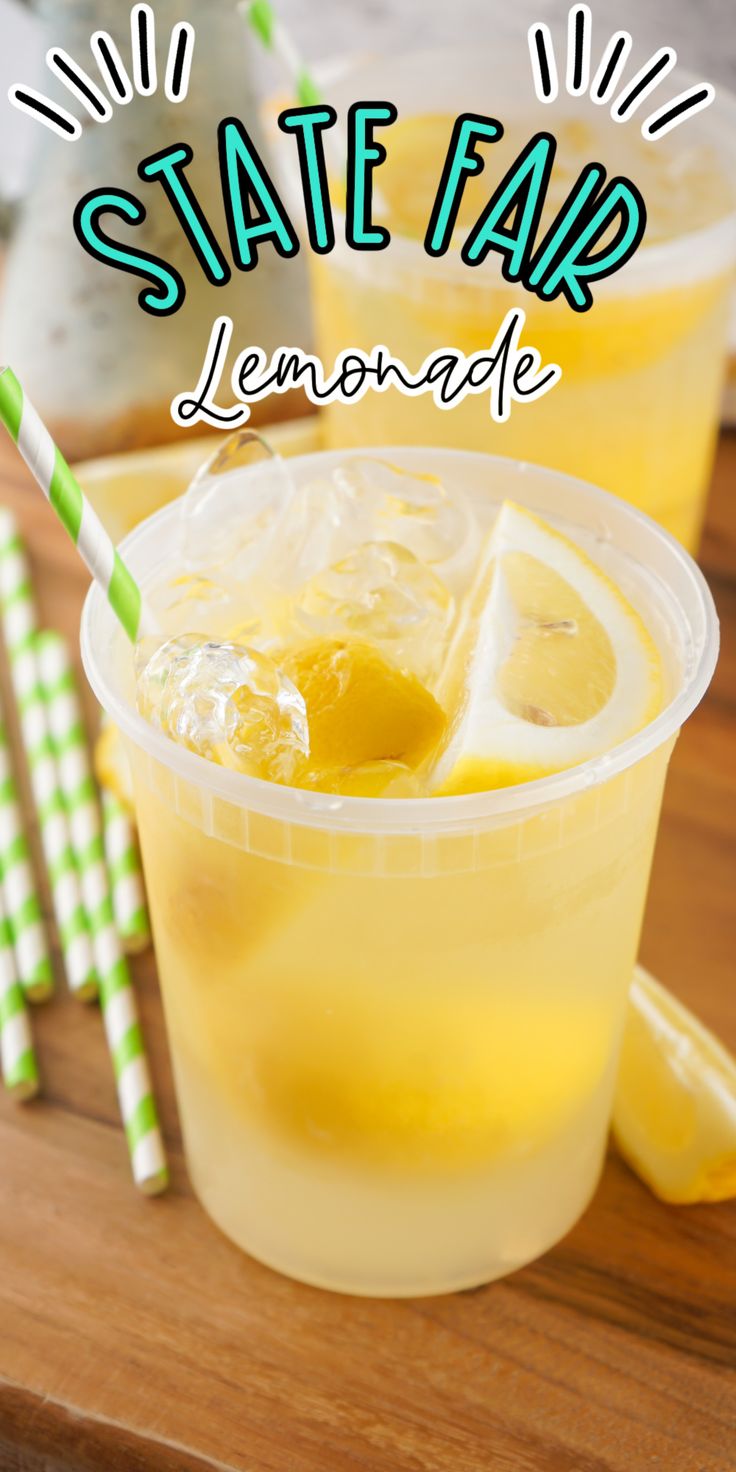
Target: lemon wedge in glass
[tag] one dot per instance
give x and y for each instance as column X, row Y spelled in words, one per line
column 550, row 664
column 361, row 706
column 674, row 1118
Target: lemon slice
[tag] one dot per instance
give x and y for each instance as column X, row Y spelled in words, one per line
column 550, row 664
column 111, row 764
column 674, row 1117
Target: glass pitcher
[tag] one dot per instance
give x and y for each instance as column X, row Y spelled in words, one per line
column 101, row 371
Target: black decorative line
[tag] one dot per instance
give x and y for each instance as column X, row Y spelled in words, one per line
column 45, row 110
column 113, row 74
column 613, row 60
column 577, row 66
column 80, row 80
column 143, row 66
column 544, row 71
column 647, row 77
column 182, row 45
column 676, row 111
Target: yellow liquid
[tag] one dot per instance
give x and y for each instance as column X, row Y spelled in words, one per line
column 637, row 408
column 395, row 1055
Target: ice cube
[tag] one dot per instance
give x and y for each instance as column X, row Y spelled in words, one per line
column 193, row 589
column 322, row 523
column 154, row 662
column 383, row 593
column 219, row 608
column 412, row 509
column 233, row 505
column 368, row 500
column 266, row 721
column 191, row 601
column 224, row 701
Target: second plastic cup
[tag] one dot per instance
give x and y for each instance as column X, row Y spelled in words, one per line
column 636, row 410
column 395, row 1024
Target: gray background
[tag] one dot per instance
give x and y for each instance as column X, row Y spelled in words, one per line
column 703, row 31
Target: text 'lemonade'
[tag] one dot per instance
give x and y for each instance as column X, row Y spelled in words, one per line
column 637, row 407
column 394, row 997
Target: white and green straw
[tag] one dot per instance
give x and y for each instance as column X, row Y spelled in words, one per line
column 49, row 468
column 126, row 876
column 272, row 34
column 19, row 886
column 125, row 1041
column 17, row 1058
column 18, row 615
column 61, row 487
column 274, row 37
column 122, row 1027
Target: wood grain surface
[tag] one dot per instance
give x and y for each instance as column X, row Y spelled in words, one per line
column 134, row 1336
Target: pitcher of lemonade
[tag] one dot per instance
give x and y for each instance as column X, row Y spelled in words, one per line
column 102, row 371
column 636, row 410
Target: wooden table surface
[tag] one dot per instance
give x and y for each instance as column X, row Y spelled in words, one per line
column 134, row 1336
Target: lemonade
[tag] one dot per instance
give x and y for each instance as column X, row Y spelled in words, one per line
column 637, row 407
column 395, row 999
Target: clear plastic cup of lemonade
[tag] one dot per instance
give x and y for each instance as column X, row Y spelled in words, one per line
column 637, row 408
column 398, row 750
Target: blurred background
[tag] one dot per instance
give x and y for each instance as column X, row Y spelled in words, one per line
column 103, row 373
column 703, row 31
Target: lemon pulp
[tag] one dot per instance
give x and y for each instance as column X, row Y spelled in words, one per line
column 361, row 707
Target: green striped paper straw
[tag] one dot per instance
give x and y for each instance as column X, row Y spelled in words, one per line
column 47, row 464
column 18, row 616
column 17, row 1058
column 124, row 1037
column 19, row 887
column 273, row 34
column 126, row 876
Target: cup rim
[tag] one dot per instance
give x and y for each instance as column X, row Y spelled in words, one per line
column 412, row 814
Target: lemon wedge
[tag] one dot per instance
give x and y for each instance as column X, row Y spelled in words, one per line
column 674, row 1117
column 361, row 707
column 550, row 664
column 111, row 765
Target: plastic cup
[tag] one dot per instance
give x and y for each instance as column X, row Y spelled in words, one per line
column 636, row 410
column 395, row 1024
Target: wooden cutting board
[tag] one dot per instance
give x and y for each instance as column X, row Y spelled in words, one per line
column 134, row 1336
